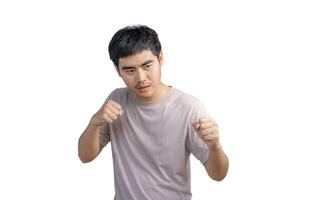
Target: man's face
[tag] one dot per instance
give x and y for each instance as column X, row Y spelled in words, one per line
column 141, row 73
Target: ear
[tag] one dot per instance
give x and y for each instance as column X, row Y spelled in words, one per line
column 117, row 69
column 161, row 58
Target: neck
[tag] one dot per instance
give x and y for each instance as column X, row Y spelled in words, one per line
column 161, row 90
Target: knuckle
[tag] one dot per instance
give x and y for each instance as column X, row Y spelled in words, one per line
column 204, row 126
column 108, row 119
column 105, row 107
column 109, row 103
column 106, row 110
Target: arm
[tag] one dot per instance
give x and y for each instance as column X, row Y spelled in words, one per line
column 89, row 142
column 217, row 164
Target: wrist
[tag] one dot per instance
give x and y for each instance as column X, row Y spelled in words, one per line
column 216, row 147
column 94, row 125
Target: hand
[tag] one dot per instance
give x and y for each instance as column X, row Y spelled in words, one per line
column 109, row 112
column 207, row 130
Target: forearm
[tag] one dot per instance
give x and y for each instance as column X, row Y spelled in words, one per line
column 217, row 164
column 89, row 143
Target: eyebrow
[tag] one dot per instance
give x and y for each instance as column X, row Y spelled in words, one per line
column 132, row 67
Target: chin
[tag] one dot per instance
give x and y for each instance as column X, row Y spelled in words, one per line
column 145, row 96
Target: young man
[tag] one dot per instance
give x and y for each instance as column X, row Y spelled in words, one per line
column 153, row 128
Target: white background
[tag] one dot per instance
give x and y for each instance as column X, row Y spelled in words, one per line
column 256, row 65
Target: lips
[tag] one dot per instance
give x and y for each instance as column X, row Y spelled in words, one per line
column 142, row 87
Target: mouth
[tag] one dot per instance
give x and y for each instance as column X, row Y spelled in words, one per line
column 143, row 88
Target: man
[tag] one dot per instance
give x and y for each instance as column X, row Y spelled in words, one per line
column 152, row 127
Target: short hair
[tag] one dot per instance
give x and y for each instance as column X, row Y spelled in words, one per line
column 131, row 40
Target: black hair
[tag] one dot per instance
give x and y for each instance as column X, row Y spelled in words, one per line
column 131, row 40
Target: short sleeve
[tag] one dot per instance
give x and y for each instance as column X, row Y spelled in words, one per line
column 194, row 143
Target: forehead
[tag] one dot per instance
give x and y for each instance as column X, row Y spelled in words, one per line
column 137, row 59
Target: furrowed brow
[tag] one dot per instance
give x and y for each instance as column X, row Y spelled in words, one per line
column 127, row 67
column 146, row 63
column 132, row 67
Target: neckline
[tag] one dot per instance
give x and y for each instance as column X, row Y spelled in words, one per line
column 147, row 103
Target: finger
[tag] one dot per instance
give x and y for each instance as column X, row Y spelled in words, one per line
column 208, row 131
column 211, row 137
column 119, row 111
column 205, row 119
column 107, row 118
column 113, row 110
column 205, row 125
column 111, row 115
column 115, row 104
column 196, row 125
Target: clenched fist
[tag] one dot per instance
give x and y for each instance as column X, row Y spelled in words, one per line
column 109, row 112
column 207, row 130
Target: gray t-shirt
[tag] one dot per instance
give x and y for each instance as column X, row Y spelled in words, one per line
column 151, row 144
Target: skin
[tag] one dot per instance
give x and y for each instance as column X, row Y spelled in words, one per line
column 142, row 75
column 217, row 164
column 141, row 70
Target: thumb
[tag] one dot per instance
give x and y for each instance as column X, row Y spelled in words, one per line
column 196, row 125
column 121, row 112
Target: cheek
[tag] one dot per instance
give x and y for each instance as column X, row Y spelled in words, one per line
column 128, row 81
column 155, row 74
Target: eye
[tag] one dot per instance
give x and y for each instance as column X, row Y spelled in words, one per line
column 146, row 66
column 129, row 70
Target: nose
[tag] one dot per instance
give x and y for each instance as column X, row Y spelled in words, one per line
column 141, row 75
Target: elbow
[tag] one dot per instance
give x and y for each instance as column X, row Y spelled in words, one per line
column 86, row 155
column 218, row 175
column 84, row 159
column 217, row 178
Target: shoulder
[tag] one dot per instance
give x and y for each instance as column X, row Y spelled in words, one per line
column 186, row 99
column 192, row 106
column 118, row 94
column 119, row 91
